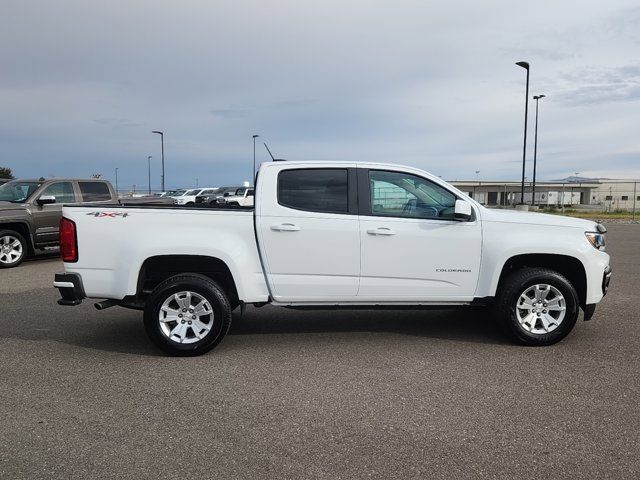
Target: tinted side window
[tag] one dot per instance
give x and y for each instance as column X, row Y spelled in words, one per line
column 63, row 191
column 94, row 191
column 395, row 194
column 314, row 189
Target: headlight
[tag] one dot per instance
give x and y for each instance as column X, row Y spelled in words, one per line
column 596, row 239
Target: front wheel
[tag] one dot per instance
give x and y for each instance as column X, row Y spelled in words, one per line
column 187, row 315
column 13, row 249
column 537, row 306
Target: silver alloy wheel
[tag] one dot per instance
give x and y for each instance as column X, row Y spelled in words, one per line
column 10, row 249
column 540, row 309
column 186, row 317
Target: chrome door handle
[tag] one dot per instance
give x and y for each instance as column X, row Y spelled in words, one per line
column 285, row 227
column 381, row 231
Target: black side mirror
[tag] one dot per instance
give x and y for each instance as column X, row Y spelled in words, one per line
column 46, row 200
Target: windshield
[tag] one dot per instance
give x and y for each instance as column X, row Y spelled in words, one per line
column 178, row 193
column 192, row 192
column 17, row 192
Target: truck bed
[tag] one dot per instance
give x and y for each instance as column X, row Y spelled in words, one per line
column 114, row 242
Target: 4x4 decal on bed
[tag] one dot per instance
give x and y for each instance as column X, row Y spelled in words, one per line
column 108, row 214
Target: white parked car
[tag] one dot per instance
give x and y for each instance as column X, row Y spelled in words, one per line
column 334, row 235
column 189, row 196
column 243, row 197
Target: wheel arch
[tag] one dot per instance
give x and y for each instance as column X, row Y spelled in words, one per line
column 570, row 267
column 158, row 268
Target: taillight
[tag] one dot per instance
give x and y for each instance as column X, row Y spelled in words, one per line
column 68, row 241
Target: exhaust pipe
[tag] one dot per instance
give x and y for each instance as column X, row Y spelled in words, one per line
column 105, row 304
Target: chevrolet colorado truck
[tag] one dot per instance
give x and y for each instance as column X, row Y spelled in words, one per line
column 333, row 235
column 30, row 212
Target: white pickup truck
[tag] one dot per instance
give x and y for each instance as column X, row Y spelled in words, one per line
column 333, row 235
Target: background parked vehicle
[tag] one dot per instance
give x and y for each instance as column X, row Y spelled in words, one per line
column 189, row 197
column 214, row 197
column 30, row 212
column 243, row 197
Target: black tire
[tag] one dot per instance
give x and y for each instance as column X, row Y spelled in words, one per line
column 17, row 261
column 202, row 286
column 518, row 282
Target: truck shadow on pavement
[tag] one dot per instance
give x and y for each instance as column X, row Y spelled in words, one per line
column 120, row 330
column 466, row 325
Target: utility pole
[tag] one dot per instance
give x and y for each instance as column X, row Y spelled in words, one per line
column 524, row 65
column 149, row 167
column 116, row 180
column 535, row 151
column 162, row 146
column 253, row 175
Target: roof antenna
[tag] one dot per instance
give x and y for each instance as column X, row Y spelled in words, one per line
column 271, row 155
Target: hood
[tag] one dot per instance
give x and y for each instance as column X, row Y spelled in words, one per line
column 535, row 218
column 5, row 206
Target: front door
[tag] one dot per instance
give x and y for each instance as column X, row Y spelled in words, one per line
column 309, row 235
column 47, row 217
column 412, row 248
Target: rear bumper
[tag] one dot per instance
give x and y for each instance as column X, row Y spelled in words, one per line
column 70, row 287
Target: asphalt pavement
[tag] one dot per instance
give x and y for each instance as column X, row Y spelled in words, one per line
column 305, row 395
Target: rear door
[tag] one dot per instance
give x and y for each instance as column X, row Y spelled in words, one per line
column 412, row 248
column 309, row 234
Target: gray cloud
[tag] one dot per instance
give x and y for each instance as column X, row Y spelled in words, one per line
column 599, row 85
column 84, row 83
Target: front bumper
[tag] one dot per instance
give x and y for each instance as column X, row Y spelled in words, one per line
column 606, row 279
column 590, row 309
column 70, row 287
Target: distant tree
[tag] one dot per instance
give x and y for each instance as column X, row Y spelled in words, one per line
column 97, row 176
column 6, row 172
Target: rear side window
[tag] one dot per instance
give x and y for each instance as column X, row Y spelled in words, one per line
column 314, row 189
column 94, row 191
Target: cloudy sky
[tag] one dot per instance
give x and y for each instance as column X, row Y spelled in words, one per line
column 426, row 83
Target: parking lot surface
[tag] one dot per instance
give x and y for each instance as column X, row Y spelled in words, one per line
column 339, row 395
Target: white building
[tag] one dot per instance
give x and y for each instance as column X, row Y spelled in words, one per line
column 606, row 194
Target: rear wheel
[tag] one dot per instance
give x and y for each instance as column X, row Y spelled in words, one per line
column 13, row 249
column 537, row 306
column 187, row 315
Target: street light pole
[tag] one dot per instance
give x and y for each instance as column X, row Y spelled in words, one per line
column 162, row 145
column 149, row 166
column 253, row 176
column 535, row 150
column 116, row 180
column 524, row 65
